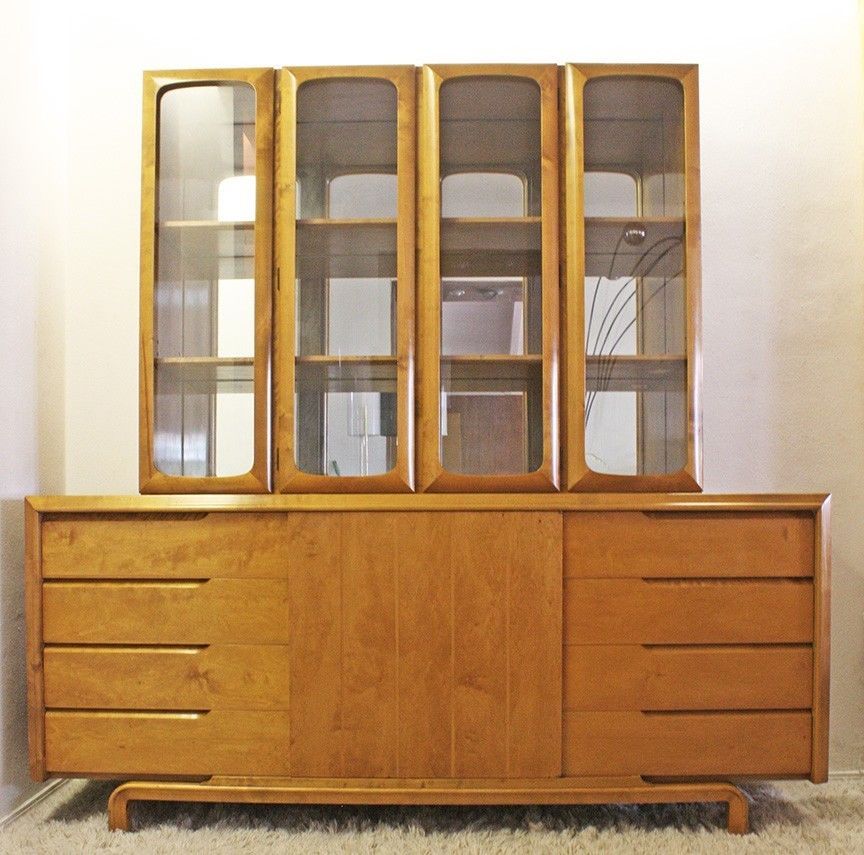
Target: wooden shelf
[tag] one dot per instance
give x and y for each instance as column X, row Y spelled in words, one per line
column 641, row 373
column 491, row 373
column 204, row 374
column 205, row 225
column 489, row 246
column 345, row 373
column 200, row 249
column 364, row 248
column 603, row 234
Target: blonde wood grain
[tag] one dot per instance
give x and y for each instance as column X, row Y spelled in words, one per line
column 220, row 677
column 480, row 575
column 633, row 677
column 578, row 475
column 687, row 544
column 34, row 635
column 822, row 644
column 424, row 618
column 207, row 546
column 215, row 611
column 770, row 744
column 636, row 611
column 370, row 646
column 315, row 640
column 373, row 693
column 151, row 480
column 564, row 791
column 289, row 477
column 221, row 742
column 731, row 503
column 534, row 731
column 431, row 474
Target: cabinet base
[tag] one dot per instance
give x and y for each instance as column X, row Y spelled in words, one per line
column 562, row 791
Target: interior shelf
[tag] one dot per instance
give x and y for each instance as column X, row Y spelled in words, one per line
column 640, row 373
column 491, row 372
column 204, row 374
column 328, row 248
column 203, row 225
column 660, row 253
column 489, row 246
column 346, row 373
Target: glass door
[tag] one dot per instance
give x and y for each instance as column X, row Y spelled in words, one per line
column 344, row 344
column 488, row 322
column 632, row 227
column 205, row 281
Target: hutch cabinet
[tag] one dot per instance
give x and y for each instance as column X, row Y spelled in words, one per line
column 491, row 180
column 366, row 290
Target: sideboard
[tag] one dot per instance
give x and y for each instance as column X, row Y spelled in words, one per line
column 429, row 648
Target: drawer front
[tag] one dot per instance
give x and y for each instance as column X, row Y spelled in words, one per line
column 128, row 744
column 215, row 611
column 221, row 677
column 637, row 544
column 638, row 611
column 187, row 546
column 633, row 677
column 769, row 744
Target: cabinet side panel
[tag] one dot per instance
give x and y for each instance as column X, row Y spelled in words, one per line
column 821, row 644
column 33, row 609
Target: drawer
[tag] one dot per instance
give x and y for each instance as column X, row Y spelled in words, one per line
column 629, row 543
column 215, row 611
column 769, row 744
column 632, row 677
column 221, row 677
column 127, row 744
column 187, row 546
column 713, row 611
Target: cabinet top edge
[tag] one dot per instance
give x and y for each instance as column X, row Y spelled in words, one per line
column 431, row 502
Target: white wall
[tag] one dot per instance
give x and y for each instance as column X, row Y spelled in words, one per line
column 32, row 233
column 783, row 221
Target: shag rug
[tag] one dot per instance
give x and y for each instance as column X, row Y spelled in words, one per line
column 788, row 818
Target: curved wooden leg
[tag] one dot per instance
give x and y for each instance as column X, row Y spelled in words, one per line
column 118, row 813
column 738, row 816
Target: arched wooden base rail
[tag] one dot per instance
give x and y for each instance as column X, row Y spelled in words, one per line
column 382, row 792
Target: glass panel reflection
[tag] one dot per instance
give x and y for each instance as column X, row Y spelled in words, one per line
column 204, row 301
column 635, row 307
column 345, row 368
column 491, row 299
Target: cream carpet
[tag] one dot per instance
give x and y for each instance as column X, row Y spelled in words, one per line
column 787, row 818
